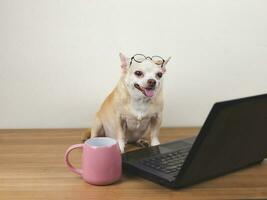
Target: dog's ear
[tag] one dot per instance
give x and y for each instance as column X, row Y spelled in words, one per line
column 124, row 62
column 165, row 63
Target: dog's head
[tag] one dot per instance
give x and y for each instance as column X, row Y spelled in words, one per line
column 142, row 75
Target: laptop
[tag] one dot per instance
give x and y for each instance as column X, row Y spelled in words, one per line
column 234, row 136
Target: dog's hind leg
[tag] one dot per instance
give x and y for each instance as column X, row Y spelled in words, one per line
column 86, row 134
column 143, row 141
column 96, row 130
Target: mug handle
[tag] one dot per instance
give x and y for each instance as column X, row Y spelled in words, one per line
column 67, row 162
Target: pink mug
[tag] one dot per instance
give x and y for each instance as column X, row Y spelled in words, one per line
column 101, row 160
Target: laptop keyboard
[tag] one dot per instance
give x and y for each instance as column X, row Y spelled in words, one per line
column 169, row 163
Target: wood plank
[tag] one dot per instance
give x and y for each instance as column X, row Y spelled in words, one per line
column 32, row 167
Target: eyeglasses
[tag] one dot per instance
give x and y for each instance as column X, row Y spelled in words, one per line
column 140, row 58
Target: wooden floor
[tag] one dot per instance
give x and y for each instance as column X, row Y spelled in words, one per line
column 32, row 167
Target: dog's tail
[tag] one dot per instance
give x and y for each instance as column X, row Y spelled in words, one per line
column 86, row 134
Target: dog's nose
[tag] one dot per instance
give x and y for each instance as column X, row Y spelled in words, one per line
column 151, row 82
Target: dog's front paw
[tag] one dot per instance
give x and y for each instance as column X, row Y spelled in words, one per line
column 142, row 143
column 155, row 141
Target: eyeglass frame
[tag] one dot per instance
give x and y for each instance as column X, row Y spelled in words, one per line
column 146, row 57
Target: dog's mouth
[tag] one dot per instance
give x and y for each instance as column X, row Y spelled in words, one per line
column 147, row 91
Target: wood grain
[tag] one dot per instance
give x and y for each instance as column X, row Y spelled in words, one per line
column 32, row 167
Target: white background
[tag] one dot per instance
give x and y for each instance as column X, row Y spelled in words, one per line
column 59, row 59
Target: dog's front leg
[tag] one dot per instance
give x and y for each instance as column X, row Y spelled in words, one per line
column 155, row 127
column 120, row 135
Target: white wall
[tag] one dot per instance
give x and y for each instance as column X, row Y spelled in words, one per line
column 59, row 59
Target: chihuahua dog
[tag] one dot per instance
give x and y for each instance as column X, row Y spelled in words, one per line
column 134, row 108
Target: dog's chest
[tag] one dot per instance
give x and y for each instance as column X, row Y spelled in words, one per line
column 134, row 128
column 140, row 108
column 134, row 124
column 139, row 118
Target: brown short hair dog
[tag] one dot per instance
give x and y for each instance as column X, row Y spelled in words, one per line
column 134, row 107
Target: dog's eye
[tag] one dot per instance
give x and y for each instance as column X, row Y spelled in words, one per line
column 159, row 74
column 138, row 73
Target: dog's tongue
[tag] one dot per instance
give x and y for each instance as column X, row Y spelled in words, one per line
column 149, row 93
